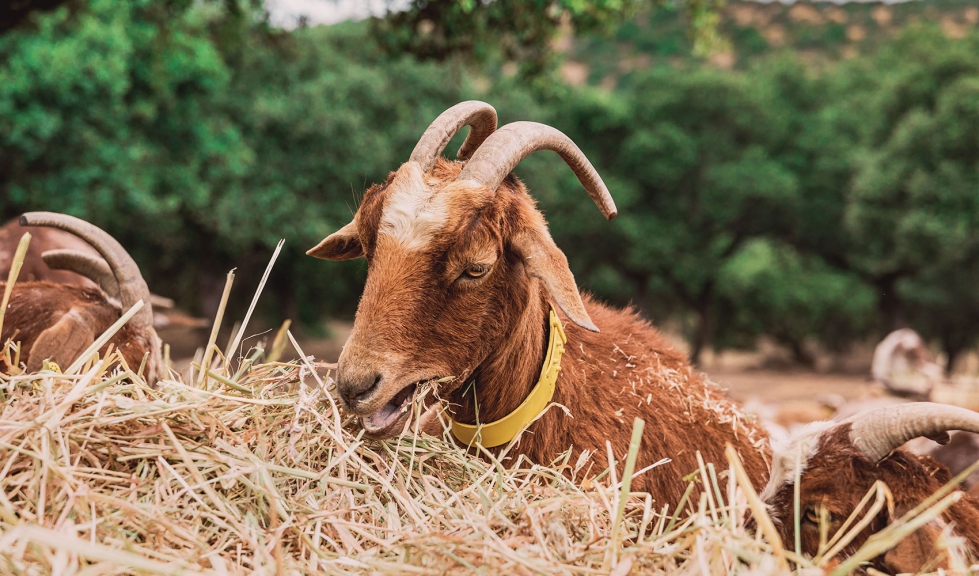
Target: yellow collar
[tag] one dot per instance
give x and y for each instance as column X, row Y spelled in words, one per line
column 500, row 432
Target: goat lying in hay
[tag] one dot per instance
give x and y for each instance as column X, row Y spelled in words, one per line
column 43, row 239
column 841, row 461
column 461, row 275
column 59, row 321
column 57, row 256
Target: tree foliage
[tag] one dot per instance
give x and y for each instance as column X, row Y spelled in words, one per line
column 141, row 121
column 811, row 206
column 13, row 13
column 521, row 31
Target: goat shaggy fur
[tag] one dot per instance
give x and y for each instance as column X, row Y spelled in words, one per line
column 424, row 316
column 836, row 475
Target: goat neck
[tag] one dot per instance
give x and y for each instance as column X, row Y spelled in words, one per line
column 507, row 376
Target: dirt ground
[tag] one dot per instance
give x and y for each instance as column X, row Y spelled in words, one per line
column 789, row 385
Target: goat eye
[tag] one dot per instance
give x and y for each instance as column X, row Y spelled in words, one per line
column 476, row 270
column 812, row 515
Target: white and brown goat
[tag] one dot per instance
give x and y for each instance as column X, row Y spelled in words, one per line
column 905, row 366
column 839, row 462
column 57, row 322
column 461, row 274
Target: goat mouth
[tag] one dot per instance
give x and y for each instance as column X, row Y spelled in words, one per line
column 392, row 416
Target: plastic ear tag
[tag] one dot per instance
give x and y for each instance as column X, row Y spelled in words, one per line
column 51, row 366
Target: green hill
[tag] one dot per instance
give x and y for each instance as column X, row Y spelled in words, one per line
column 819, row 31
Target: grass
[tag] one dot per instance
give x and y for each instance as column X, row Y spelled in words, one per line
column 262, row 472
column 256, row 469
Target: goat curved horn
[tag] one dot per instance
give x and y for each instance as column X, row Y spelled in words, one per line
column 878, row 432
column 132, row 287
column 506, row 147
column 479, row 116
column 91, row 267
column 96, row 270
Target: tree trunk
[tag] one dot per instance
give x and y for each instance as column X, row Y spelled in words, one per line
column 285, row 295
column 800, row 354
column 706, row 324
column 210, row 281
column 641, row 300
column 889, row 303
column 953, row 349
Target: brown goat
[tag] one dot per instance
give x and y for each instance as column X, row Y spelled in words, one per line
column 59, row 321
column 55, row 256
column 841, row 461
column 42, row 240
column 461, row 276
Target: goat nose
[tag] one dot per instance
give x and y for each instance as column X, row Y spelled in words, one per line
column 354, row 387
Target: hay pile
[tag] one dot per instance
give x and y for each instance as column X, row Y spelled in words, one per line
column 258, row 472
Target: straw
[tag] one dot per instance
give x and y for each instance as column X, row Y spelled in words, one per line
column 279, row 342
column 887, row 538
column 231, row 350
column 630, row 467
column 757, row 506
column 101, row 341
column 15, row 267
column 262, row 474
column 206, row 359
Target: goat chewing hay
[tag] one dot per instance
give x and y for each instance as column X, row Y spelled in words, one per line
column 262, row 472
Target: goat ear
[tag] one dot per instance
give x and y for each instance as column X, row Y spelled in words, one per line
column 915, row 552
column 545, row 261
column 344, row 244
column 61, row 343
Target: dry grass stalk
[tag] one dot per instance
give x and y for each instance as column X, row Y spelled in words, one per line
column 15, row 266
column 232, row 349
column 263, row 473
column 259, row 471
column 215, row 328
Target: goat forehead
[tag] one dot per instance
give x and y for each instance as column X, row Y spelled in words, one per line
column 414, row 210
column 791, row 454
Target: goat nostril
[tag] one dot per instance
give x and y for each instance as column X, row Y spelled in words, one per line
column 355, row 389
column 370, row 390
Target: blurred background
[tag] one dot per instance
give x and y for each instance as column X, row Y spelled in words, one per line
column 794, row 181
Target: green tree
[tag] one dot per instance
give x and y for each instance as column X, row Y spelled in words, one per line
column 768, row 288
column 885, row 152
column 929, row 174
column 913, row 203
column 199, row 154
column 522, row 31
column 111, row 113
column 687, row 153
column 942, row 303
